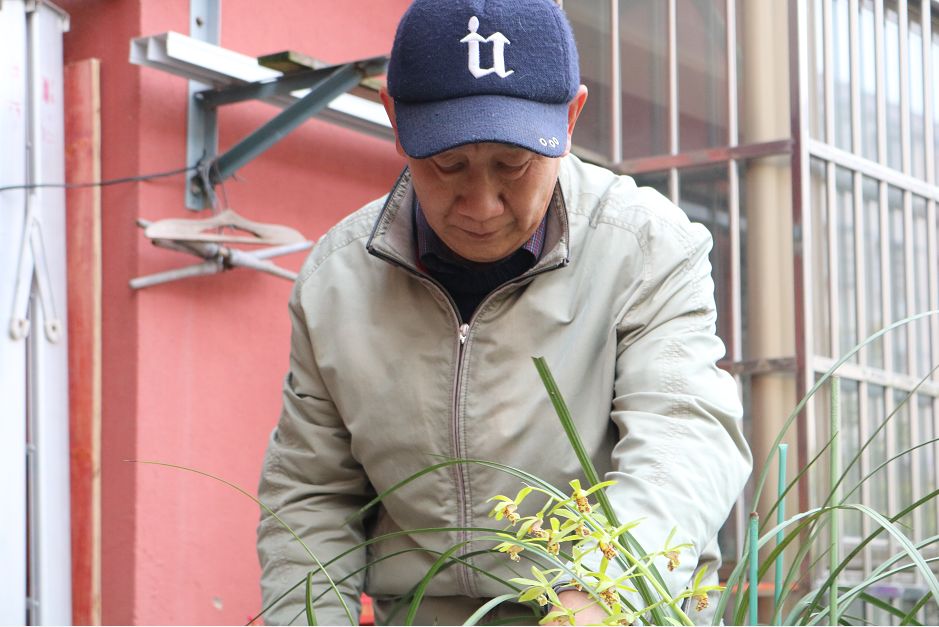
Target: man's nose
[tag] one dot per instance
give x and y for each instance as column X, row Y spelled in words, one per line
column 482, row 200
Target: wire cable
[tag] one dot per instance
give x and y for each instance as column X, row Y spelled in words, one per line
column 104, row 183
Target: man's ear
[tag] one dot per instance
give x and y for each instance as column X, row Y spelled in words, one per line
column 573, row 112
column 389, row 103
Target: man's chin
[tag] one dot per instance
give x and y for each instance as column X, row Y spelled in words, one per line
column 483, row 254
column 481, row 248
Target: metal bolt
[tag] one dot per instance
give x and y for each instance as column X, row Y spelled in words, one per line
column 53, row 331
column 199, row 22
column 19, row 328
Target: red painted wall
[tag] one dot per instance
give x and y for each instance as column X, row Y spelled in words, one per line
column 192, row 370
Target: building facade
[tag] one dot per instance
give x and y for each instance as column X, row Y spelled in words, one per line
column 802, row 133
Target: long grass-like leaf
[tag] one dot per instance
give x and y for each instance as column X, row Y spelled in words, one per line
column 794, row 482
column 476, row 616
column 884, row 572
column 425, row 581
column 910, row 550
column 761, row 481
column 887, row 607
column 780, row 517
column 372, row 540
column 735, row 580
column 870, row 538
column 736, row 576
column 817, row 593
column 883, row 425
column 855, row 459
column 511, row 470
column 910, row 617
column 806, row 608
column 590, row 473
column 806, row 521
column 908, row 547
column 793, row 576
column 332, row 585
column 887, row 462
column 454, row 560
column 310, row 614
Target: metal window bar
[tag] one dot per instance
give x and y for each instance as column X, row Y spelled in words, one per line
column 733, row 125
column 926, row 20
column 860, row 262
column 733, row 178
column 932, row 240
column 873, row 170
column 828, row 71
column 865, row 465
column 616, row 87
column 890, row 395
column 673, row 98
column 912, row 330
column 895, row 384
column 881, row 79
column 834, row 247
column 905, row 139
column 802, row 227
column 928, row 105
column 876, row 376
column 930, row 75
column 855, row 59
column 830, row 179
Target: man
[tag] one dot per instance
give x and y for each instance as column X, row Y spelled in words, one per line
column 414, row 321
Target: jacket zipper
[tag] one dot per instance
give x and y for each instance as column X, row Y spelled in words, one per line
column 455, row 442
column 456, row 445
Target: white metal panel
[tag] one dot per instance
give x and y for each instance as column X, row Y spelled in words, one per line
column 13, row 109
column 49, row 385
column 207, row 63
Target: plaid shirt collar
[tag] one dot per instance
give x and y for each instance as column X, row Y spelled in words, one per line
column 431, row 248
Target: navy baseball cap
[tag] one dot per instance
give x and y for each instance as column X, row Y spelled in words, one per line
column 469, row 71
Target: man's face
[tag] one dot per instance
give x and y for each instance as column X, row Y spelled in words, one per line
column 484, row 200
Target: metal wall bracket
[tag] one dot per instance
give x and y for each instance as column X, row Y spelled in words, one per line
column 235, row 77
column 205, row 24
column 324, row 85
column 32, row 265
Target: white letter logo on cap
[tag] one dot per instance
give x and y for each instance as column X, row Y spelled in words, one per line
column 498, row 41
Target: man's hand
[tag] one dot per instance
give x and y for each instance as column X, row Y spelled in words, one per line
column 574, row 600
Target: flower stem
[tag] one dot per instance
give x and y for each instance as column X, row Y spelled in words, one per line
column 834, row 473
column 780, row 518
column 754, row 566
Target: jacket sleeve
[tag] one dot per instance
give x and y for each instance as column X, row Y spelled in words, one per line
column 312, row 481
column 681, row 460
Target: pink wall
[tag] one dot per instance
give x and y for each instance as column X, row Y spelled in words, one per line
column 192, row 369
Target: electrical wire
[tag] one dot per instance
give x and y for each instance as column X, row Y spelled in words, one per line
column 104, row 183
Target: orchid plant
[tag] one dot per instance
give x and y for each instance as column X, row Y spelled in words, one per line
column 575, row 523
column 575, row 539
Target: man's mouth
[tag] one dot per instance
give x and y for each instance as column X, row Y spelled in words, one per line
column 479, row 235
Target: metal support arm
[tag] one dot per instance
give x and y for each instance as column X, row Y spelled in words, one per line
column 206, row 64
column 340, row 80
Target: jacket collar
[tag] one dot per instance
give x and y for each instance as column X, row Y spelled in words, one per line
column 392, row 237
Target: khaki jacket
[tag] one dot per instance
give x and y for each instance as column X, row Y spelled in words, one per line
column 385, row 381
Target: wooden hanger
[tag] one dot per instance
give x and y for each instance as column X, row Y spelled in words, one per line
column 187, row 230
